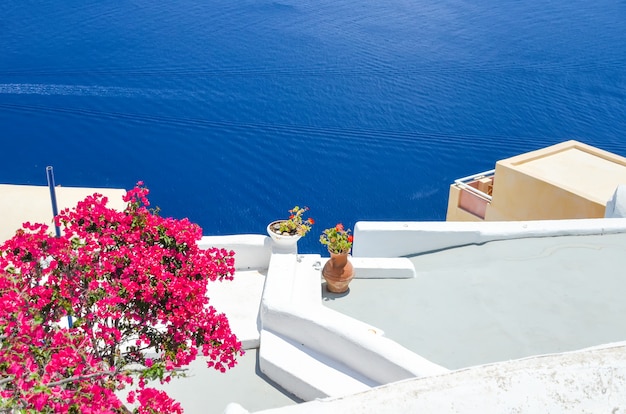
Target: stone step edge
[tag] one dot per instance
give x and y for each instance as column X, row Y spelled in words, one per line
column 306, row 373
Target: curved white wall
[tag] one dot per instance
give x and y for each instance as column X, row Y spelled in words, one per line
column 394, row 239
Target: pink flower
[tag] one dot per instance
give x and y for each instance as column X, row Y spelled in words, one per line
column 108, row 266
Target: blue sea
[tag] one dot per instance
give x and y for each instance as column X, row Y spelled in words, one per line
column 232, row 112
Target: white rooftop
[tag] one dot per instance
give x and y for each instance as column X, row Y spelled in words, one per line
column 502, row 300
column 482, row 293
column 468, row 306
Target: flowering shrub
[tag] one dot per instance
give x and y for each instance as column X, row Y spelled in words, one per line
column 337, row 239
column 295, row 223
column 132, row 281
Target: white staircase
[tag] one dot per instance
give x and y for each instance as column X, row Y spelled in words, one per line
column 315, row 352
column 309, row 373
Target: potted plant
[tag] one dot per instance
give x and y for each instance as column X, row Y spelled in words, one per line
column 287, row 232
column 338, row 271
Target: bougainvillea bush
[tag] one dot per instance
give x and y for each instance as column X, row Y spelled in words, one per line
column 135, row 287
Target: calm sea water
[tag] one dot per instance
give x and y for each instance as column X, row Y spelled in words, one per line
column 234, row 111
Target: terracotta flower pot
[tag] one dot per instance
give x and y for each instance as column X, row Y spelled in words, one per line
column 338, row 272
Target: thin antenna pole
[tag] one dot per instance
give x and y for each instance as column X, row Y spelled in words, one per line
column 53, row 197
column 55, row 212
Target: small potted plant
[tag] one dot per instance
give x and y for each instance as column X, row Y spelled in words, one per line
column 338, row 271
column 287, row 232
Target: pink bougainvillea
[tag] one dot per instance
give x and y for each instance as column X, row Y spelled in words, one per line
column 132, row 282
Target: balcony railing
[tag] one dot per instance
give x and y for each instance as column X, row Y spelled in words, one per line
column 475, row 193
column 464, row 183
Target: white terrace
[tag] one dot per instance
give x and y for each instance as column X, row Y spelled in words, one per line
column 432, row 303
column 461, row 295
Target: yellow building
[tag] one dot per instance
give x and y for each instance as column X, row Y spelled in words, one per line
column 565, row 181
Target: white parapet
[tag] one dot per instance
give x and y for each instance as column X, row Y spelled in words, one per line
column 394, row 239
column 252, row 251
column 616, row 206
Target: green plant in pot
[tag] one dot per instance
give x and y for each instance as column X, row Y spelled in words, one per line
column 337, row 239
column 289, row 231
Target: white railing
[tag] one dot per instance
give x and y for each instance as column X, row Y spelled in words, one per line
column 462, row 182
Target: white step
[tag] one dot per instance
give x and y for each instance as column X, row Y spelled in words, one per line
column 383, row 268
column 305, row 373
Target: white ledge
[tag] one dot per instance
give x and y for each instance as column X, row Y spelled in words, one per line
column 383, row 268
column 394, row 239
column 252, row 251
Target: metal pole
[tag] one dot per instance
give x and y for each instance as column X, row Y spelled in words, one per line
column 53, row 198
column 55, row 212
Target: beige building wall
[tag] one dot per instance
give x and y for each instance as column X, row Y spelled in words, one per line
column 22, row 203
column 565, row 181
